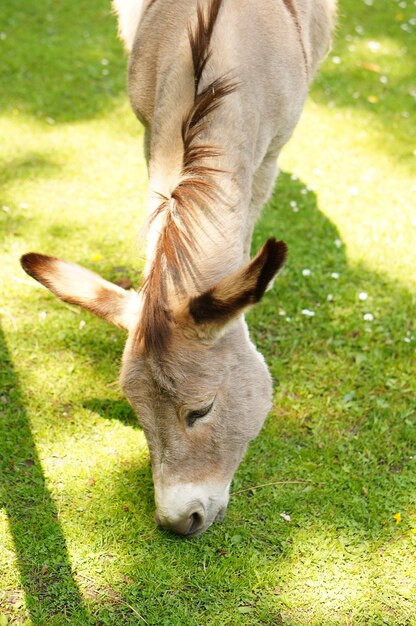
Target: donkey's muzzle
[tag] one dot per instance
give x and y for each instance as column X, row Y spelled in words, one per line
column 190, row 523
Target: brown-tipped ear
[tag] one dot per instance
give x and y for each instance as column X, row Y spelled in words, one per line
column 239, row 291
column 77, row 285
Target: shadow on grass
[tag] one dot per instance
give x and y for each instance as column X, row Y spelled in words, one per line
column 61, row 61
column 51, row 593
column 28, row 166
column 345, row 402
column 113, row 409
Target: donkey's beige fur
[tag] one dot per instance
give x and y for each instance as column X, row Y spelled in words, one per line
column 219, row 87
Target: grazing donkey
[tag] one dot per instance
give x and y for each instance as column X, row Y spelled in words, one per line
column 219, row 86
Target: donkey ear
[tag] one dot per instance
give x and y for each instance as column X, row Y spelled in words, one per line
column 239, row 291
column 77, row 285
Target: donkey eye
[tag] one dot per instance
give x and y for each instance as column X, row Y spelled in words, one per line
column 192, row 416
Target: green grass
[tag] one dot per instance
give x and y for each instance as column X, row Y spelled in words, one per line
column 77, row 540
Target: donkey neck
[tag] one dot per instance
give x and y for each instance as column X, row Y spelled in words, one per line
column 209, row 199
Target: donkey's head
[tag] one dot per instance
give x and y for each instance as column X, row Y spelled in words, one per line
column 200, row 401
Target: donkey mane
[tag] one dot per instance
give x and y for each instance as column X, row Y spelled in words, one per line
column 173, row 258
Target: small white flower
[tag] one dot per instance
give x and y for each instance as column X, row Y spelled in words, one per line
column 317, row 171
column 294, row 177
column 104, row 61
column 286, row 517
column 384, row 80
column 288, row 319
column 353, row 191
column 336, row 60
column 304, row 191
column 362, row 296
column 42, row 315
column 82, row 324
column 306, row 272
column 407, row 339
column 50, row 120
column 359, row 29
column 374, row 46
column 335, row 275
column 308, row 313
column 6, row 209
column 23, row 205
column 329, row 297
column 338, row 243
column 368, row 317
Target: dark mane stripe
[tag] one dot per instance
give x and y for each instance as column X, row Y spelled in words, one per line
column 176, row 246
column 200, row 39
column 290, row 6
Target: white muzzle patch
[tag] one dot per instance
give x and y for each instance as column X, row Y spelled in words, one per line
column 189, row 508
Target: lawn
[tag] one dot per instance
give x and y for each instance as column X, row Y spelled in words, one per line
column 78, row 544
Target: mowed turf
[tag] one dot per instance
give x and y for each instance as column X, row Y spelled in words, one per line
column 78, row 544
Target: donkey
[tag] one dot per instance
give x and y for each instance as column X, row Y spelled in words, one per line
column 219, row 86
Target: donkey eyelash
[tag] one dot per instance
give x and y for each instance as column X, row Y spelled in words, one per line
column 192, row 416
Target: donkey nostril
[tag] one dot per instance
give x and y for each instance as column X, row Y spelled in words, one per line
column 197, row 521
column 187, row 525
